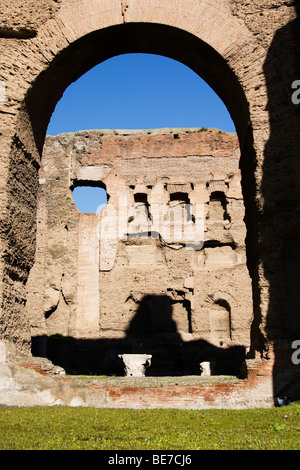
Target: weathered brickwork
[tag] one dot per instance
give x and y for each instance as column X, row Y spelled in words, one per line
column 164, row 261
column 247, row 51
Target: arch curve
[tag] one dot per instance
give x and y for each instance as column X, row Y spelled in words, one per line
column 203, row 38
column 97, row 46
column 222, row 296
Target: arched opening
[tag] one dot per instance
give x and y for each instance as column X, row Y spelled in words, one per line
column 163, row 40
column 155, row 39
column 218, row 206
column 142, row 91
column 139, row 91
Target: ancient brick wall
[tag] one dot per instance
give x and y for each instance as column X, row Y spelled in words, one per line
column 166, row 257
column 247, row 51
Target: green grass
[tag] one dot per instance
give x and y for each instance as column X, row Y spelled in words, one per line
column 64, row 428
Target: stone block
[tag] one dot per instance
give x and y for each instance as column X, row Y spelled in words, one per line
column 136, row 364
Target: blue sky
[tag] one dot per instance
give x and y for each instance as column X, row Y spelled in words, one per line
column 138, row 91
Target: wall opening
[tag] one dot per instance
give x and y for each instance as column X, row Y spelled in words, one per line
column 141, row 203
column 180, row 206
column 157, row 39
column 142, row 91
column 218, row 206
column 90, row 199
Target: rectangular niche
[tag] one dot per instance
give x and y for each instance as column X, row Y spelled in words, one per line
column 220, row 323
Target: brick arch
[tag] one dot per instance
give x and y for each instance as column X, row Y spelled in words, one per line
column 200, row 18
column 205, row 38
column 81, row 55
column 222, row 296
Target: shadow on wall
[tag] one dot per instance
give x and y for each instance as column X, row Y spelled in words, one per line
column 151, row 331
column 281, row 195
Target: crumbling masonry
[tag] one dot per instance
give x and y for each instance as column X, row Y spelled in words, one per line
column 248, row 52
column 163, row 264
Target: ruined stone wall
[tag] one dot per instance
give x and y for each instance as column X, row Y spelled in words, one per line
column 247, row 51
column 165, row 257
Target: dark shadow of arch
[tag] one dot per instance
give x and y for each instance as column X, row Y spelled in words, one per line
column 281, row 212
column 152, row 331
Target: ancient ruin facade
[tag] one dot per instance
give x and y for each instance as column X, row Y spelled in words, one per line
column 246, row 51
column 163, row 262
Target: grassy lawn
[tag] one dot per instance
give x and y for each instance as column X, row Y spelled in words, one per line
column 64, row 428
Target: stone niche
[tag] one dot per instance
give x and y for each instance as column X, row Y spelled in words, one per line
column 160, row 271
